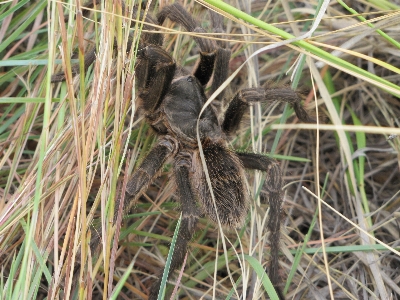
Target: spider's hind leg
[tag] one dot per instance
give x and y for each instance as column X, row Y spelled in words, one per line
column 190, row 215
column 273, row 186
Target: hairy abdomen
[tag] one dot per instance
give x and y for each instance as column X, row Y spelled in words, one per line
column 226, row 174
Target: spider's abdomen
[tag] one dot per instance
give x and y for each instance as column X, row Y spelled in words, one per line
column 227, row 180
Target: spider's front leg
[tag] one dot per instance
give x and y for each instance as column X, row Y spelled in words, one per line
column 150, row 36
column 223, row 56
column 190, row 215
column 154, row 72
column 208, row 48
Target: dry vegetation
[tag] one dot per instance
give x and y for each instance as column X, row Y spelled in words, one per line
column 63, row 157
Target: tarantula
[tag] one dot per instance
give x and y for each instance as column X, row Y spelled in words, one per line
column 172, row 100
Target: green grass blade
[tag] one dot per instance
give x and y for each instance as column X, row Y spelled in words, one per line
column 122, row 281
column 258, row 268
column 13, row 9
column 37, row 8
column 360, row 17
column 319, row 53
column 169, row 259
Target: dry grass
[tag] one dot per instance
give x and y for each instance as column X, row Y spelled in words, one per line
column 64, row 154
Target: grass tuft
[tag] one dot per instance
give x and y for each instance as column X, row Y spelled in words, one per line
column 64, row 153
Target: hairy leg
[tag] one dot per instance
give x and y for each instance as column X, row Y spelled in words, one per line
column 190, row 215
column 155, row 71
column 208, row 47
column 90, row 57
column 246, row 97
column 147, row 37
column 148, row 169
column 223, row 55
column 140, row 180
column 273, row 185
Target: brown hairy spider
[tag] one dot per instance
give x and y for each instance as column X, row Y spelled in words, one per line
column 172, row 100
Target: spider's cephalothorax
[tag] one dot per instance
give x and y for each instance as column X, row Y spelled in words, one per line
column 172, row 101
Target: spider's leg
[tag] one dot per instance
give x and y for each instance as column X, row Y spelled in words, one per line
column 155, row 71
column 147, row 37
column 90, row 57
column 140, row 180
column 147, row 170
column 246, row 97
column 208, row 47
column 273, row 185
column 190, row 215
column 223, row 56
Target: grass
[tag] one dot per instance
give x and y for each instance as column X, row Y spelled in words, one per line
column 65, row 150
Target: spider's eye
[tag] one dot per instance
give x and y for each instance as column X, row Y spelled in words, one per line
column 190, row 79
